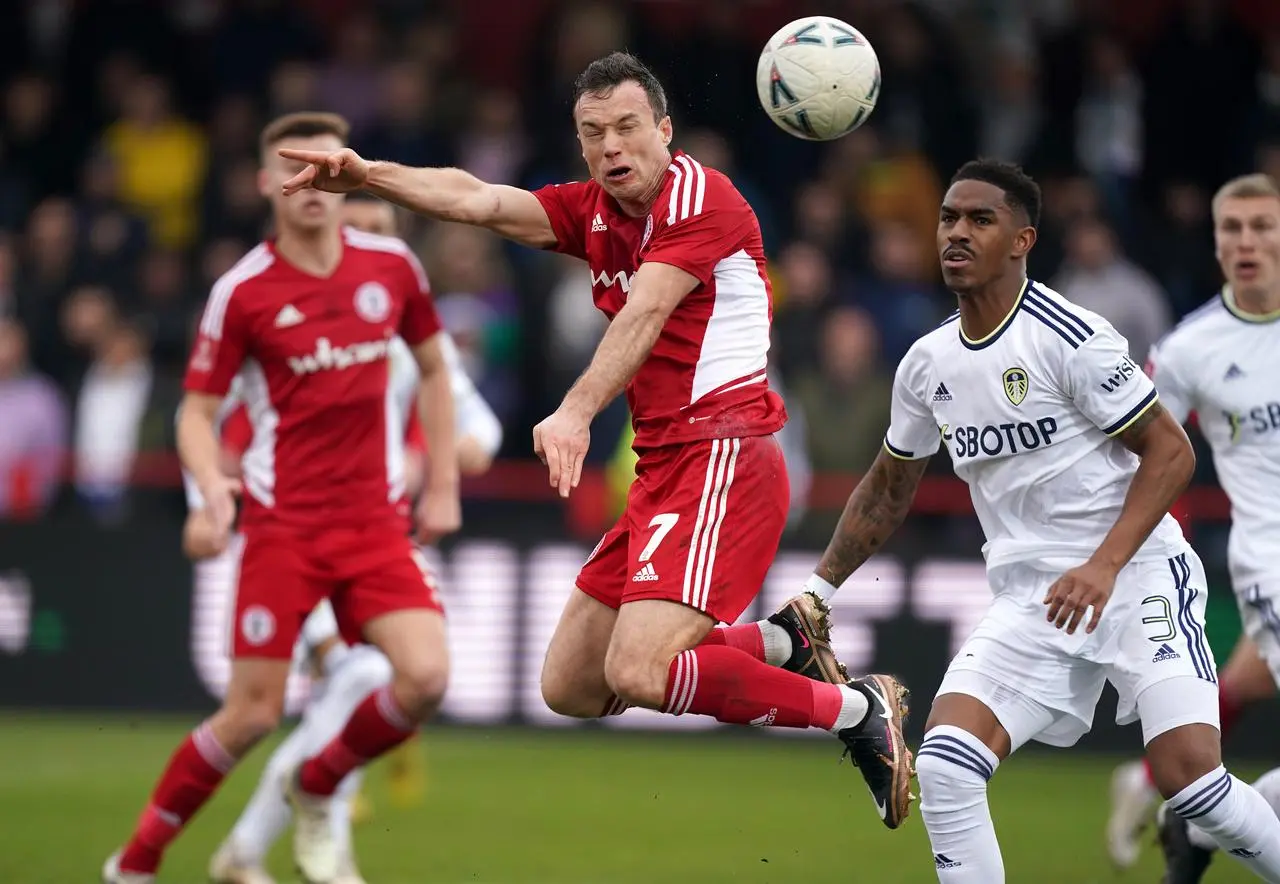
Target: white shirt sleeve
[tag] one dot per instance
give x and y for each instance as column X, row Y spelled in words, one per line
column 913, row 432
column 1177, row 396
column 1104, row 382
column 473, row 416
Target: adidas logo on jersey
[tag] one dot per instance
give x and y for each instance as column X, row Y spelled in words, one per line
column 646, row 574
column 942, row 394
column 1233, row 372
column 598, row 225
column 289, row 315
column 1165, row 653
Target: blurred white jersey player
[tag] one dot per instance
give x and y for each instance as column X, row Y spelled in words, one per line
column 343, row 675
column 1222, row 364
column 1072, row 464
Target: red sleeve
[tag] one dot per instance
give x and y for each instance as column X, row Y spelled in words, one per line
column 221, row 344
column 414, row 438
column 237, row 431
column 419, row 320
column 567, row 207
column 703, row 222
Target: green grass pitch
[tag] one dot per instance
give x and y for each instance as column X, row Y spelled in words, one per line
column 507, row 806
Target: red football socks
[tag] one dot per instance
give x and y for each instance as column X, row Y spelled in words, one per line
column 746, row 637
column 736, row 688
column 377, row 725
column 193, row 774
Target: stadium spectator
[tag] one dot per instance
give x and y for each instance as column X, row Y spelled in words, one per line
column 33, row 432
column 1098, row 276
column 162, row 161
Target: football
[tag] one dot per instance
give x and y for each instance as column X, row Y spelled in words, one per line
column 818, row 78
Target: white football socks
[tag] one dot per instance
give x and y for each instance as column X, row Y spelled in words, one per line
column 953, row 768
column 1237, row 817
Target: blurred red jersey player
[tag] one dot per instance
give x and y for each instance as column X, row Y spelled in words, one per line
column 677, row 264
column 306, row 320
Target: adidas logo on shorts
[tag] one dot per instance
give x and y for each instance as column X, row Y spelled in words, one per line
column 645, row 574
column 1165, row 653
column 942, row 861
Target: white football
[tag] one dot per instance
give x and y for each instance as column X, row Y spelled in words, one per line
column 818, row 78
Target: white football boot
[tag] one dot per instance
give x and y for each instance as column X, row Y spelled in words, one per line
column 226, row 867
column 111, row 873
column 314, row 850
column 1133, row 803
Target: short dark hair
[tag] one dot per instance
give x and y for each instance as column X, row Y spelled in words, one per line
column 305, row 124
column 605, row 74
column 1020, row 189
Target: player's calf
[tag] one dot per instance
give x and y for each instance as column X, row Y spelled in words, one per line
column 1187, row 768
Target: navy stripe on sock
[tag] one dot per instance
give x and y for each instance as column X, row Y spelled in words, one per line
column 948, row 756
column 954, row 744
column 1205, row 800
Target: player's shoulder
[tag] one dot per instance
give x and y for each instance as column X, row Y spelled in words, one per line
column 694, row 189
column 377, row 248
column 1210, row 318
column 240, row 278
column 251, row 266
column 1058, row 323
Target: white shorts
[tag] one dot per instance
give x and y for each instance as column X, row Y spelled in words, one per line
column 1044, row 685
column 1260, row 620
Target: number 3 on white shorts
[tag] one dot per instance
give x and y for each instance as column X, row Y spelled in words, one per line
column 1164, row 618
column 661, row 524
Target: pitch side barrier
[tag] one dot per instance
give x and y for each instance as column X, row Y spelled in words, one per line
column 102, row 617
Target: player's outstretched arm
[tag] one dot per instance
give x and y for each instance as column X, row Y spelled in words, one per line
column 875, row 510
column 444, row 194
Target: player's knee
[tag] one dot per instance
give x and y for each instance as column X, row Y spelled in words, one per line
column 568, row 699
column 421, row 685
column 243, row 723
column 636, row 679
column 1181, row 756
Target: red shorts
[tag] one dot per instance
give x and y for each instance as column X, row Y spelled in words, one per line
column 365, row 572
column 701, row 527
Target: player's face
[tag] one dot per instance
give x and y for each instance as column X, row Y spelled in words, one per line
column 310, row 210
column 625, row 148
column 980, row 239
column 1247, row 236
column 370, row 216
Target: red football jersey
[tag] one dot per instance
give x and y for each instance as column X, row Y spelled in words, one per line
column 705, row 378
column 312, row 355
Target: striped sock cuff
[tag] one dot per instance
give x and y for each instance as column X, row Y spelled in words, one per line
column 211, row 750
column 961, row 748
column 1203, row 795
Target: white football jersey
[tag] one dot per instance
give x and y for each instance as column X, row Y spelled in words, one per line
column 1029, row 415
column 1224, row 365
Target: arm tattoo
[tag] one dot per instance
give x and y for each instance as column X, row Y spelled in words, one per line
column 1132, row 437
column 874, row 511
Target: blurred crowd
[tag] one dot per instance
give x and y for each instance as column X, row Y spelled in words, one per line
column 128, row 183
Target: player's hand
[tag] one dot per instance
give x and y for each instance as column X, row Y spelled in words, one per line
column 1085, row 586
column 220, row 493
column 439, row 512
column 561, row 442
column 339, row 171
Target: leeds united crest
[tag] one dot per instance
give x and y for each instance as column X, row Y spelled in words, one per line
column 1015, row 385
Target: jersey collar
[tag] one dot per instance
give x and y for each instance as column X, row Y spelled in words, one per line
column 991, row 338
column 1229, row 302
